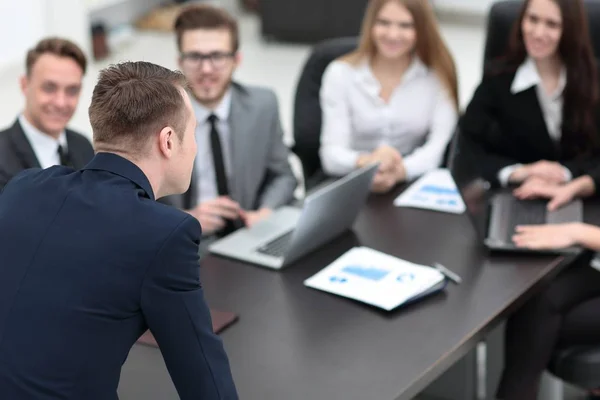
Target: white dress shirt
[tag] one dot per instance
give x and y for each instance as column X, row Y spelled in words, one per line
column 206, row 181
column 44, row 146
column 418, row 120
column 527, row 76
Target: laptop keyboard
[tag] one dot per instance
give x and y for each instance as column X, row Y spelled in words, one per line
column 277, row 247
column 528, row 212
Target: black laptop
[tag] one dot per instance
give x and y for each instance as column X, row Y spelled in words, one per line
column 497, row 213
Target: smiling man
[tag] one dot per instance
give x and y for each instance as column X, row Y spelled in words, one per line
column 242, row 171
column 51, row 86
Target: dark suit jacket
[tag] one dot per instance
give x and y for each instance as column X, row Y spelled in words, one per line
column 90, row 261
column 262, row 175
column 16, row 153
column 505, row 128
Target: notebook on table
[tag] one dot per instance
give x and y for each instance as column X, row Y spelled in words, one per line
column 377, row 279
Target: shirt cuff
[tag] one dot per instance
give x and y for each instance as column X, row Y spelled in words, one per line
column 341, row 163
column 568, row 174
column 413, row 171
column 505, row 173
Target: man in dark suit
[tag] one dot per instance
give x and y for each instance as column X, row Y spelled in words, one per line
column 51, row 86
column 90, row 260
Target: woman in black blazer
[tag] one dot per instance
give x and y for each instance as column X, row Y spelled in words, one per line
column 534, row 114
column 532, row 122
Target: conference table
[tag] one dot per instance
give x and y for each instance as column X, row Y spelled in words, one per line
column 296, row 343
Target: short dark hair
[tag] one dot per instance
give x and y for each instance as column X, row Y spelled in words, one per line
column 59, row 47
column 205, row 16
column 133, row 100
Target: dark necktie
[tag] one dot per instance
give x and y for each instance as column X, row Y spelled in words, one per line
column 65, row 159
column 219, row 165
column 217, row 154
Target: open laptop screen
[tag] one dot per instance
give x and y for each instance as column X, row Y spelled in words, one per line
column 474, row 190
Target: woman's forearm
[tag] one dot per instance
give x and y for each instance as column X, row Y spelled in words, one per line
column 583, row 186
column 587, row 236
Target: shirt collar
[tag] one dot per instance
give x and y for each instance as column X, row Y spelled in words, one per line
column 527, row 76
column 221, row 111
column 367, row 79
column 114, row 163
column 416, row 69
column 39, row 139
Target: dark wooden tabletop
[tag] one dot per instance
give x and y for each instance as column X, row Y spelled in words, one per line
column 292, row 342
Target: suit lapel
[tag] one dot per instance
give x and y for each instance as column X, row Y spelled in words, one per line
column 528, row 105
column 22, row 147
column 241, row 144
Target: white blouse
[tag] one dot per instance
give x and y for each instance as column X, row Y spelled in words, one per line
column 418, row 120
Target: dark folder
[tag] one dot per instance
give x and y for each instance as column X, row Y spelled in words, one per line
column 220, row 321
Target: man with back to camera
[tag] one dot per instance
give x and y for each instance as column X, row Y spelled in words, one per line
column 90, row 260
column 39, row 137
column 242, row 171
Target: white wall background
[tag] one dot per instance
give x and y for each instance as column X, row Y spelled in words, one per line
column 479, row 7
column 24, row 22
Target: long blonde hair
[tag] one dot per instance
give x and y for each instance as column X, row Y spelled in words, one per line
column 430, row 47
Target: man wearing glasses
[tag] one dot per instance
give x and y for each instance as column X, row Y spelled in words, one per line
column 241, row 171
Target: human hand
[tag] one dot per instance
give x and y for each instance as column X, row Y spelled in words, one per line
column 212, row 213
column 546, row 237
column 252, row 217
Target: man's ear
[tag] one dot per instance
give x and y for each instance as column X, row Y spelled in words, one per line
column 23, row 83
column 238, row 58
column 166, row 141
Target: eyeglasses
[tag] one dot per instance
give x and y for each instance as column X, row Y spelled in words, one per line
column 217, row 60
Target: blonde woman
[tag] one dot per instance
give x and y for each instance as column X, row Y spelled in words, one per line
column 394, row 100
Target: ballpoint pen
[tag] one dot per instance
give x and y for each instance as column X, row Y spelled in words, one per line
column 449, row 274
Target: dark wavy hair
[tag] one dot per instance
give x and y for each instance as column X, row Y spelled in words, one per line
column 580, row 97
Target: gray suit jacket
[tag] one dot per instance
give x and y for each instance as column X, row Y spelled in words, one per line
column 262, row 176
column 16, row 153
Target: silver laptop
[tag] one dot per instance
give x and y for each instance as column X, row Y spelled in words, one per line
column 497, row 213
column 290, row 232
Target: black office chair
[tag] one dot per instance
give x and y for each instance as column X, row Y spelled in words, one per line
column 307, row 106
column 579, row 366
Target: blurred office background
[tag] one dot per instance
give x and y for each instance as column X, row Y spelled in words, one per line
column 276, row 39
column 273, row 58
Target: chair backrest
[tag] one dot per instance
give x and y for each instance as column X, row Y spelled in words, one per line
column 307, row 105
column 504, row 14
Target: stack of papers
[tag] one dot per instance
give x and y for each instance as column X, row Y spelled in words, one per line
column 377, row 279
column 435, row 190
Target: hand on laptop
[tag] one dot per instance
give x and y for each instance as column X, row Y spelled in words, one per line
column 559, row 195
column 252, row 217
column 536, row 188
column 212, row 213
column 550, row 171
column 546, row 237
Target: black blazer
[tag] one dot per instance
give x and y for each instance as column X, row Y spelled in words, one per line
column 89, row 261
column 16, row 153
column 503, row 128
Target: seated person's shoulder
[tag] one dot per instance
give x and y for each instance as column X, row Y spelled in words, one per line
column 35, row 180
column 339, row 69
column 4, row 148
column 259, row 95
column 499, row 73
column 79, row 139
